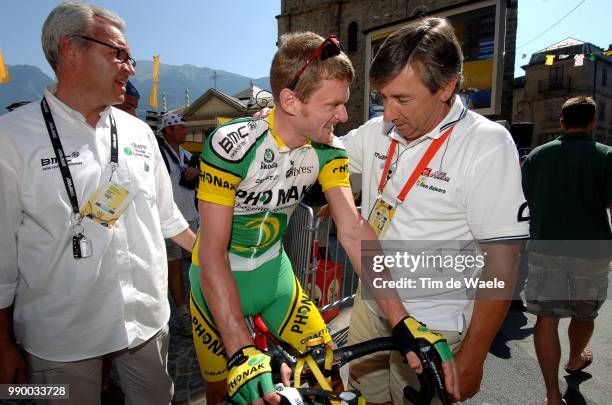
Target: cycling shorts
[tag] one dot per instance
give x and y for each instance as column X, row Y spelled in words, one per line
column 271, row 290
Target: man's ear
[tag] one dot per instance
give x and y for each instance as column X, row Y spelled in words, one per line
column 448, row 89
column 289, row 102
column 562, row 124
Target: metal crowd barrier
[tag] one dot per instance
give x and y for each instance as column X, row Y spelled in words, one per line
column 316, row 255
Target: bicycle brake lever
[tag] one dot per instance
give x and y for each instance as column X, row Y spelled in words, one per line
column 430, row 379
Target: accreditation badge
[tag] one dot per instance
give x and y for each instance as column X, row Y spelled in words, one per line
column 381, row 216
column 107, row 204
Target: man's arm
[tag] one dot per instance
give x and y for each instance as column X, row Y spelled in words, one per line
column 218, row 284
column 502, row 261
column 352, row 229
column 185, row 239
column 12, row 368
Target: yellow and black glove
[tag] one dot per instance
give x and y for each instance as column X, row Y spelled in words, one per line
column 249, row 375
column 409, row 331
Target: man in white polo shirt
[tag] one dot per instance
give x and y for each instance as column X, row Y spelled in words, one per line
column 85, row 205
column 449, row 175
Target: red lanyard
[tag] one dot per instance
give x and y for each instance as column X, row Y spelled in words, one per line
column 418, row 170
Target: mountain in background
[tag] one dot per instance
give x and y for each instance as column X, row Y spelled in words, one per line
column 28, row 83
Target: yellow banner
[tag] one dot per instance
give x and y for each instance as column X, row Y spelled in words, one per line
column 4, row 74
column 222, row 120
column 549, row 59
column 153, row 97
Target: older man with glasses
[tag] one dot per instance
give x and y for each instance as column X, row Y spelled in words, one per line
column 85, row 205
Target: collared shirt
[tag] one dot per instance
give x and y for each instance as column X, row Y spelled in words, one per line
column 183, row 196
column 569, row 178
column 470, row 190
column 67, row 309
column 246, row 165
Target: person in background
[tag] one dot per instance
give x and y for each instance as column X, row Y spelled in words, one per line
column 184, row 175
column 132, row 97
column 85, row 205
column 569, row 178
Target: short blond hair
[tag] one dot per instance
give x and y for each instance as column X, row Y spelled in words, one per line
column 295, row 48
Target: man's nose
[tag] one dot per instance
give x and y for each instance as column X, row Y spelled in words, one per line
column 390, row 111
column 342, row 114
column 131, row 69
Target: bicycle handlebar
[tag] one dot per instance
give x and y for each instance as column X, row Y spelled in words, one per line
column 430, row 379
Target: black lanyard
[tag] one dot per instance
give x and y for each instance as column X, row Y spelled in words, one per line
column 61, row 157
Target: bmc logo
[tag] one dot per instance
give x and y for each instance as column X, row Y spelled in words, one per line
column 53, row 161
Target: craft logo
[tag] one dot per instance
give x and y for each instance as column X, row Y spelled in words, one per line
column 267, row 178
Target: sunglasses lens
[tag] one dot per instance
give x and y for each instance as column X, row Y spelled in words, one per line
column 331, row 48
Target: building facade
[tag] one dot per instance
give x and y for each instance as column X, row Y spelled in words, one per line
column 543, row 90
column 214, row 108
column 486, row 29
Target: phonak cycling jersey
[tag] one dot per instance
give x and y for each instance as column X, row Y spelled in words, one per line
column 245, row 164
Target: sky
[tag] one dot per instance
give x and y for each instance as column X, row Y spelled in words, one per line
column 239, row 36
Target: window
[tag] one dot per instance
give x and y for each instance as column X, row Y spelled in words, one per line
column 604, row 77
column 352, row 37
column 555, row 77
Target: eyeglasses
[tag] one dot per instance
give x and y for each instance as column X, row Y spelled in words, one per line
column 329, row 48
column 120, row 54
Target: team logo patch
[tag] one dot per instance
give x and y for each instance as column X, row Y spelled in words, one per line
column 127, row 151
column 231, row 142
column 268, row 155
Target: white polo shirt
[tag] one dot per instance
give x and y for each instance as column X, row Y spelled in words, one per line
column 68, row 309
column 470, row 190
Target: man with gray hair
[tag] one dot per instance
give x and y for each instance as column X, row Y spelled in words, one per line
column 85, row 205
column 433, row 171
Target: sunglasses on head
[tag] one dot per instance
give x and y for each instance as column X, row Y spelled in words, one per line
column 329, row 48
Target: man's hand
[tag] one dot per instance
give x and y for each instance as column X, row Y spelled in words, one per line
column 12, row 366
column 408, row 332
column 250, row 377
column 191, row 173
column 471, row 372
